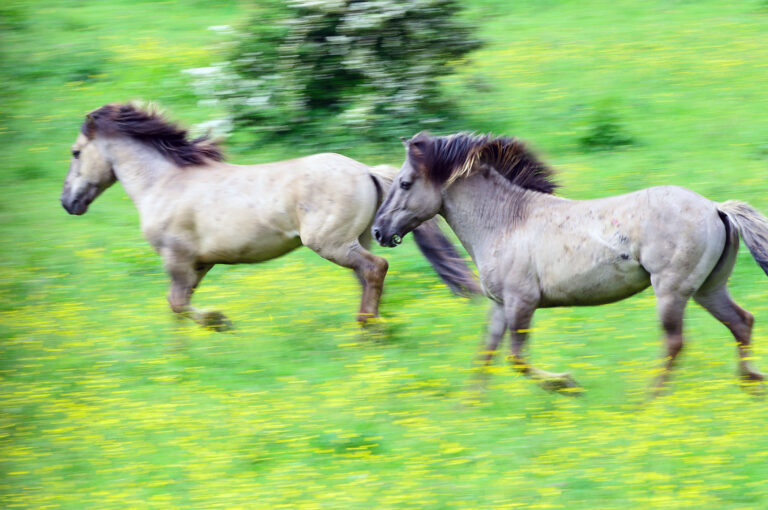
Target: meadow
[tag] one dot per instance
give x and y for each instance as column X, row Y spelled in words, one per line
column 108, row 402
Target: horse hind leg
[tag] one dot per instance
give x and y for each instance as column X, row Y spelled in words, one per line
column 700, row 262
column 671, row 307
column 713, row 295
column 719, row 303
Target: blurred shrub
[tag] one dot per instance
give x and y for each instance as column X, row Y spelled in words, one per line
column 12, row 17
column 29, row 171
column 340, row 67
column 605, row 132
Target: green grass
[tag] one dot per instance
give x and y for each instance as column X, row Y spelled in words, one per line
column 107, row 402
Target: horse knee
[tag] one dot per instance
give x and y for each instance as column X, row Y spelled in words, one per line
column 382, row 266
column 375, row 270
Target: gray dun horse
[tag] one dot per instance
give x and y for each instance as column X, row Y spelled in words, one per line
column 197, row 210
column 534, row 250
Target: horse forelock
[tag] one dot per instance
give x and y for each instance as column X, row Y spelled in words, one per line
column 444, row 159
column 150, row 127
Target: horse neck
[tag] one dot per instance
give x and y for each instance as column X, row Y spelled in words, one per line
column 485, row 205
column 138, row 167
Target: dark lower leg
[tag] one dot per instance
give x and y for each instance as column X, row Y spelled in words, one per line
column 742, row 331
column 739, row 322
column 671, row 315
column 371, row 271
column 184, row 279
column 519, row 327
column 551, row 381
column 497, row 326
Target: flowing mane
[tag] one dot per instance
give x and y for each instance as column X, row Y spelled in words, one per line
column 153, row 129
column 443, row 159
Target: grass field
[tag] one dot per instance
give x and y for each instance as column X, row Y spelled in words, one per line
column 107, row 402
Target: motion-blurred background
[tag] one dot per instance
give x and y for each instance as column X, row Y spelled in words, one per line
column 107, row 403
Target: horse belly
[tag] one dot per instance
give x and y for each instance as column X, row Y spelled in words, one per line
column 248, row 246
column 596, row 285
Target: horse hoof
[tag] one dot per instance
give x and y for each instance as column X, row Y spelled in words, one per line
column 375, row 329
column 367, row 320
column 216, row 321
column 752, row 375
column 751, row 381
column 754, row 388
column 564, row 384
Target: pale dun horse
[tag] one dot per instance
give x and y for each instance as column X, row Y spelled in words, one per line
column 534, row 250
column 198, row 211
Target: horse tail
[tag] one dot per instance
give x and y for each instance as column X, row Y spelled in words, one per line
column 447, row 262
column 752, row 226
column 438, row 249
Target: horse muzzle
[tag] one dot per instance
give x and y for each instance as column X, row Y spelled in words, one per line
column 79, row 205
column 76, row 207
column 384, row 238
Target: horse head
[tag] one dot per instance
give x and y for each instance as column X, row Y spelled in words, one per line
column 413, row 198
column 90, row 171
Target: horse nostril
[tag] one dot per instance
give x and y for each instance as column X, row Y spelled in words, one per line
column 377, row 234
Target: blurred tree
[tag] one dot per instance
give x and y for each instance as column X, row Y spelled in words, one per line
column 332, row 66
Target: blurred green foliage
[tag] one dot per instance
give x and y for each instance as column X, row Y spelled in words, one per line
column 342, row 69
column 605, row 132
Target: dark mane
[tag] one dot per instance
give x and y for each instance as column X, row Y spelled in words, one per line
column 443, row 159
column 154, row 130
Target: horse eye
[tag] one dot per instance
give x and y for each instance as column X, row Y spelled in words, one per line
column 405, row 185
column 75, row 154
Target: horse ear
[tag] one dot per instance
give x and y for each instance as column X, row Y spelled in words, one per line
column 404, row 140
column 89, row 126
column 417, row 146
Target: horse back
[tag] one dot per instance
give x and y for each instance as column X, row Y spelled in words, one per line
column 602, row 250
column 246, row 213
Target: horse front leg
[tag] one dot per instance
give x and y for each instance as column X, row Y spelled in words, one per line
column 519, row 313
column 185, row 278
column 369, row 268
column 497, row 326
